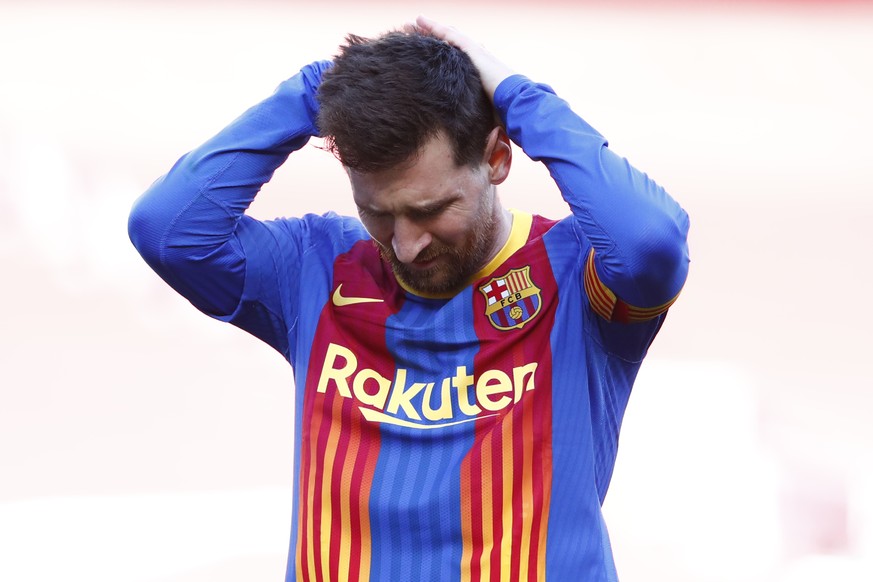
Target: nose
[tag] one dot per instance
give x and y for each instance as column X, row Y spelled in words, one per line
column 409, row 239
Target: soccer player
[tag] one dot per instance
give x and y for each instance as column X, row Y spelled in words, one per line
column 461, row 369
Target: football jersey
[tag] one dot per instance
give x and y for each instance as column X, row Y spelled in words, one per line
column 466, row 438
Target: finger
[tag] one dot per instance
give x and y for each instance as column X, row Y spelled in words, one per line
column 425, row 23
column 441, row 31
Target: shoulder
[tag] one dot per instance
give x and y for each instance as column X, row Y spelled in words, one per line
column 317, row 229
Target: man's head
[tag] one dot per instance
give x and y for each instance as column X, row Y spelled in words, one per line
column 407, row 116
column 384, row 98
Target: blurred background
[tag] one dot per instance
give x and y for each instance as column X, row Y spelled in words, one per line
column 141, row 441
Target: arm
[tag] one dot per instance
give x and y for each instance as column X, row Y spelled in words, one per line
column 638, row 233
column 190, row 223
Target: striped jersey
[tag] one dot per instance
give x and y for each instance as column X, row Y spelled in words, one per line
column 468, row 438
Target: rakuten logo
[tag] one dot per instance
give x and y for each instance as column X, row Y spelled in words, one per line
column 383, row 398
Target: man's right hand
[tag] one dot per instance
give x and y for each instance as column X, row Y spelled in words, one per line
column 491, row 70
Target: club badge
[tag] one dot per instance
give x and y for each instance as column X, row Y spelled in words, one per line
column 511, row 300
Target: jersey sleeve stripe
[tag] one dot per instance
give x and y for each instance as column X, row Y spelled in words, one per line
column 602, row 300
column 598, row 297
column 605, row 303
column 597, row 294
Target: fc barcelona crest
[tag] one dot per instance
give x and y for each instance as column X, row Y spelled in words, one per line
column 511, row 300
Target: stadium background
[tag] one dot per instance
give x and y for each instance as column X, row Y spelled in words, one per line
column 141, row 441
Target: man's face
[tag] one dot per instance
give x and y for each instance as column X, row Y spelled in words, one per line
column 435, row 223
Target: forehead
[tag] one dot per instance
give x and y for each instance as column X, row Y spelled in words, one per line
column 430, row 177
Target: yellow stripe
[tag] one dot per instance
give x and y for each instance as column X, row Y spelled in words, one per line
column 345, row 550
column 527, row 504
column 466, row 522
column 326, row 504
column 300, row 528
column 506, row 545
column 366, row 541
column 345, row 541
column 547, row 502
column 651, row 311
column 487, row 506
column 376, row 416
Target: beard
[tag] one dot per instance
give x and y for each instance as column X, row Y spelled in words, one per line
column 456, row 265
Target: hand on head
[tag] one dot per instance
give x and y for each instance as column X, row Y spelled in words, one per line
column 491, row 70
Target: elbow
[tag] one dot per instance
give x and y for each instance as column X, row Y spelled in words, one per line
column 663, row 261
column 145, row 228
column 649, row 269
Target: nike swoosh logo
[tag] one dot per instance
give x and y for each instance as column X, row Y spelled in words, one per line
column 341, row 301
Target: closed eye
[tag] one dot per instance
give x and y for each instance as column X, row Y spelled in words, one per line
column 422, row 214
column 371, row 213
column 430, row 211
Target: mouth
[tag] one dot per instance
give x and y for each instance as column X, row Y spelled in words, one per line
column 421, row 264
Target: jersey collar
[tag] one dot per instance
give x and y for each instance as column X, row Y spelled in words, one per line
column 518, row 235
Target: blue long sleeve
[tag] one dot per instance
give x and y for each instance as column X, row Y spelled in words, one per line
column 638, row 232
column 187, row 225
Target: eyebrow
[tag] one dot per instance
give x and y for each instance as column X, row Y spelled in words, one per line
column 435, row 205
column 426, row 208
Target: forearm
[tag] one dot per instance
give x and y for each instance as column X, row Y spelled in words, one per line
column 184, row 225
column 637, row 230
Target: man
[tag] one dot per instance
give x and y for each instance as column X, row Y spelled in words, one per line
column 461, row 370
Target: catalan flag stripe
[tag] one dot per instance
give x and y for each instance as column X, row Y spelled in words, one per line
column 513, row 512
column 518, row 281
column 334, row 537
column 512, row 282
column 604, row 302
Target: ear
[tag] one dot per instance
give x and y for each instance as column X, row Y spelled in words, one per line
column 498, row 155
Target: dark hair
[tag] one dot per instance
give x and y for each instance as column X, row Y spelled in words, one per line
column 385, row 98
